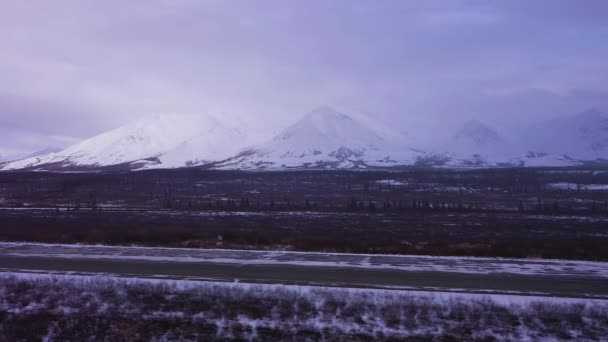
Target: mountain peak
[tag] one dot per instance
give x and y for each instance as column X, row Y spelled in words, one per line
column 326, row 113
column 321, row 123
column 148, row 137
column 326, row 138
column 477, row 131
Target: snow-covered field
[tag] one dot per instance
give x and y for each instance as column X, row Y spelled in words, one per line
column 80, row 308
column 370, row 261
column 574, row 186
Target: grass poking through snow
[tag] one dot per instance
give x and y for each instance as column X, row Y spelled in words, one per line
column 110, row 309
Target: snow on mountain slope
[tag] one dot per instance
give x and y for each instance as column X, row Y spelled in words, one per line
column 18, row 143
column 43, row 152
column 325, row 138
column 214, row 142
column 146, row 138
column 475, row 144
column 579, row 137
column 14, row 156
column 475, row 135
column 394, row 133
column 9, row 156
column 478, row 145
column 537, row 159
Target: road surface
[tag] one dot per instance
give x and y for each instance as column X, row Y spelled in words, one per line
column 528, row 276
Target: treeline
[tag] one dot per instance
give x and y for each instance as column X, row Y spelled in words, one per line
column 372, row 205
column 414, row 189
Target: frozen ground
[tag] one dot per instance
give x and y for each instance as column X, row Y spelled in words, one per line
column 574, row 186
column 101, row 308
column 367, row 261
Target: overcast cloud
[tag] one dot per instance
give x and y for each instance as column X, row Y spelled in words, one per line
column 76, row 68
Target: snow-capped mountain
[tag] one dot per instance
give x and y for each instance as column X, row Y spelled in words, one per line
column 43, row 152
column 478, row 145
column 9, row 156
column 14, row 156
column 579, row 137
column 325, row 138
column 214, row 142
column 475, row 144
column 477, row 136
column 18, row 143
column 146, row 139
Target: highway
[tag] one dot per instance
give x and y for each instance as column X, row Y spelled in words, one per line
column 575, row 279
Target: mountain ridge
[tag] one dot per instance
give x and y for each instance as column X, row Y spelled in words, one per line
column 325, row 138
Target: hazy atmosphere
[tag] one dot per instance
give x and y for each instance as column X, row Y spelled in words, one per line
column 303, row 170
column 75, row 69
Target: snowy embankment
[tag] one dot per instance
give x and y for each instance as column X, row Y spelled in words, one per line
column 577, row 187
column 472, row 265
column 82, row 307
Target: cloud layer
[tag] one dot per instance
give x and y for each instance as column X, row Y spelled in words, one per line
column 76, row 68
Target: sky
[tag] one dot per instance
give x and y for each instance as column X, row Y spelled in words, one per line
column 71, row 68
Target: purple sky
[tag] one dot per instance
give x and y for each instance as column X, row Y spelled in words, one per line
column 76, row 68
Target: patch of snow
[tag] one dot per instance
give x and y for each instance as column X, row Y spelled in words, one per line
column 443, row 295
column 574, row 186
column 391, row 182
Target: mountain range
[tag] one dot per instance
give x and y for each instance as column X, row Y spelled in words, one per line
column 19, row 143
column 324, row 138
